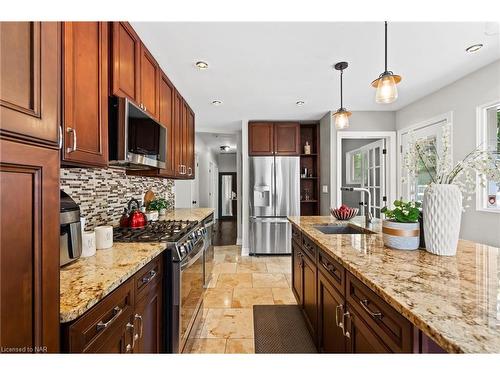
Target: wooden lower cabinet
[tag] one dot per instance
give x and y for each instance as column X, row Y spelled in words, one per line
column 331, row 337
column 342, row 313
column 129, row 320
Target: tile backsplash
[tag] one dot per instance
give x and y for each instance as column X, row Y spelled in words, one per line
column 102, row 193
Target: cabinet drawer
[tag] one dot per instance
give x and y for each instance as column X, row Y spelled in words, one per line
column 148, row 275
column 309, row 248
column 103, row 319
column 333, row 271
column 393, row 329
column 296, row 235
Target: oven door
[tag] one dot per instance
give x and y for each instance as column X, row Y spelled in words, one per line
column 191, row 292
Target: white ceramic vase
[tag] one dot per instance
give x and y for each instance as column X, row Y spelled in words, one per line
column 442, row 212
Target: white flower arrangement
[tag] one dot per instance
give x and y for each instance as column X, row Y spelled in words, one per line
column 482, row 162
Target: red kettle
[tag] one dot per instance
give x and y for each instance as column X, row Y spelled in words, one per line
column 136, row 219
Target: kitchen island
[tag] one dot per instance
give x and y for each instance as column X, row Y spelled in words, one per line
column 452, row 300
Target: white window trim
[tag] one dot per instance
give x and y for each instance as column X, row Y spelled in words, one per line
column 444, row 117
column 481, row 131
column 390, row 168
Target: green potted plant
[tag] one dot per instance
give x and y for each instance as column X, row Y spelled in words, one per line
column 155, row 208
column 400, row 228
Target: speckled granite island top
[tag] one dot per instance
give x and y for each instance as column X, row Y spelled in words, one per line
column 454, row 300
column 88, row 280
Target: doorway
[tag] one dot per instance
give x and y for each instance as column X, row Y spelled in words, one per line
column 227, row 196
column 366, row 160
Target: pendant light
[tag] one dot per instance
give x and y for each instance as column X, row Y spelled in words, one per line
column 341, row 117
column 385, row 84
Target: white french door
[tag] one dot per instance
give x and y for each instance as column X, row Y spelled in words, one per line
column 374, row 175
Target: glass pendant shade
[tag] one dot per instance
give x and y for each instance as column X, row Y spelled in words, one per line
column 387, row 91
column 341, row 118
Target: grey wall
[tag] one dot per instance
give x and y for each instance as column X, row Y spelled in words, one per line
column 205, row 156
column 227, row 162
column 351, row 198
column 462, row 97
column 325, row 146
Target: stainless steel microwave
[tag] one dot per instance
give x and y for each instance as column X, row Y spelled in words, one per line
column 136, row 140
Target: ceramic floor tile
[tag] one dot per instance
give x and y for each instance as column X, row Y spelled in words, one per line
column 213, row 281
column 279, row 259
column 283, row 296
column 214, row 346
column 240, row 346
column 268, row 280
column 279, row 267
column 197, row 332
column 289, row 279
column 234, row 280
column 228, row 323
column 247, row 297
column 224, row 268
column 251, row 267
column 218, row 298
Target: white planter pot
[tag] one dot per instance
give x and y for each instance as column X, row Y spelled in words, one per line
column 401, row 236
column 442, row 211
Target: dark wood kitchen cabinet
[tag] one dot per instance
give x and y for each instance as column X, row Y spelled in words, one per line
column 30, row 81
column 190, row 143
column 29, row 247
column 129, row 320
column 125, row 60
column 150, row 80
column 166, row 118
column 85, row 93
column 342, row 313
column 273, row 138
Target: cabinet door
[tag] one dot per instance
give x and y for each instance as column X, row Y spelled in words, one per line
column 309, row 292
column 287, row 138
column 29, row 251
column 190, row 144
column 166, row 112
column 359, row 337
column 148, row 320
column 260, row 138
column 126, row 50
column 85, row 75
column 117, row 342
column 330, row 309
column 297, row 272
column 150, row 76
column 185, row 138
column 29, row 87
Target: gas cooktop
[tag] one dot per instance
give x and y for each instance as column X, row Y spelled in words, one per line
column 156, row 231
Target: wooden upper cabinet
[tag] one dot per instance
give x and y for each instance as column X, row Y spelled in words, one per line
column 85, row 93
column 30, row 80
column 29, row 246
column 150, row 76
column 126, row 61
column 190, row 144
column 260, row 138
column 287, row 138
column 166, row 118
column 178, row 135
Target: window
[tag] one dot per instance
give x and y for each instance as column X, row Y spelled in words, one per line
column 488, row 138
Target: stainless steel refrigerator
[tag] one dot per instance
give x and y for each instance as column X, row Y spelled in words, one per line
column 274, row 195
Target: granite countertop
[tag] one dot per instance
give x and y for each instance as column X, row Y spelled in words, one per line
column 454, row 300
column 86, row 281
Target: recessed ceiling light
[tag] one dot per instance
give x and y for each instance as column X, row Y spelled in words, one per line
column 224, row 148
column 474, row 48
column 300, row 103
column 202, row 65
column 216, row 102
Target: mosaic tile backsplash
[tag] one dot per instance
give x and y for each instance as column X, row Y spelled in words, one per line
column 103, row 193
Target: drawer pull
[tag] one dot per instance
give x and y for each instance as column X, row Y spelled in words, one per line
column 117, row 311
column 339, row 324
column 139, row 317
column 346, row 332
column 375, row 315
column 328, row 266
column 147, row 279
column 133, row 336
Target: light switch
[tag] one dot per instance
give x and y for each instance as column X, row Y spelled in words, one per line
column 325, row 189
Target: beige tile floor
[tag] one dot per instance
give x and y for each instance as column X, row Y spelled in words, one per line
column 237, row 284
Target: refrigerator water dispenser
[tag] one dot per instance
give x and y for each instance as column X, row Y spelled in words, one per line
column 262, row 196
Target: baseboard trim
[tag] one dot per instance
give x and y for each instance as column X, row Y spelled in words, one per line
column 239, row 241
column 245, row 251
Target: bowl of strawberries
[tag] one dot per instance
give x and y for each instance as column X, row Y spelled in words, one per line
column 344, row 212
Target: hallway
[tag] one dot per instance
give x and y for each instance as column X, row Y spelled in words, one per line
column 225, row 233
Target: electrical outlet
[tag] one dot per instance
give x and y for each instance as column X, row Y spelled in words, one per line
column 325, row 188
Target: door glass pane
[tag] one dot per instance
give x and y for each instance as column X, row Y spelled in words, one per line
column 425, row 170
column 377, row 176
column 377, row 156
column 371, row 158
column 226, row 195
column 377, row 197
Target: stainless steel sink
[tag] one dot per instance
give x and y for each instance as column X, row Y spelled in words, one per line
column 341, row 229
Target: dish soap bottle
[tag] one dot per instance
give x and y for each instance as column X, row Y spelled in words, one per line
column 307, row 148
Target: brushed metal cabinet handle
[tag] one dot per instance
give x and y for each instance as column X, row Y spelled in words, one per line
column 139, row 317
column 73, row 147
column 147, row 279
column 117, row 311
column 131, row 328
column 346, row 332
column 364, row 305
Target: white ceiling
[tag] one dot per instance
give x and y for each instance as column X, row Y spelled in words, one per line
column 213, row 141
column 259, row 70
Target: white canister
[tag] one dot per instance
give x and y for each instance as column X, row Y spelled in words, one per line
column 88, row 244
column 401, row 236
column 104, row 237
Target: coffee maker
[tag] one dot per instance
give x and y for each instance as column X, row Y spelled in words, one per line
column 70, row 237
